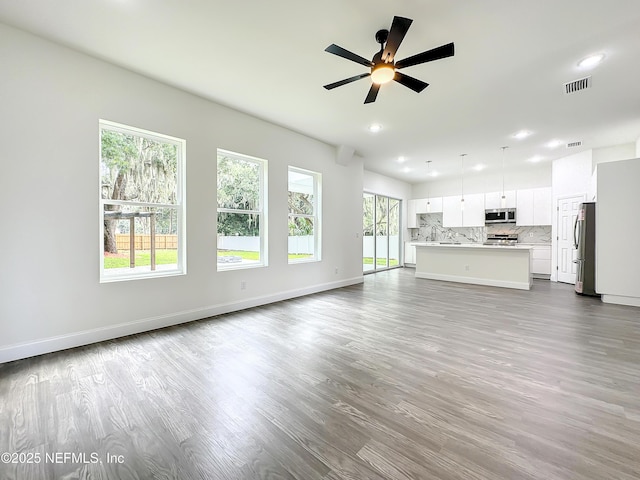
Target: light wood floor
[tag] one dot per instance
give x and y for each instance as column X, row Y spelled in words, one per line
column 397, row 378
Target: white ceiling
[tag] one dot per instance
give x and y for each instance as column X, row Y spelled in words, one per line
column 267, row 58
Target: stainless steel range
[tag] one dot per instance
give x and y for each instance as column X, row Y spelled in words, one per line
column 506, row 239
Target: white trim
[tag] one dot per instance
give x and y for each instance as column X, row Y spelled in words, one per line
column 473, row 280
column 86, row 337
column 621, row 300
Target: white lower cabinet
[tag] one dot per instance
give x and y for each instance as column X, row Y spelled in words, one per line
column 409, row 253
column 541, row 261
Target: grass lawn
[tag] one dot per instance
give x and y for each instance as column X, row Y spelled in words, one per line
column 143, row 258
column 169, row 257
column 381, row 262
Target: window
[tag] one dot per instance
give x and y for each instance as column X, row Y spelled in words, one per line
column 242, row 223
column 141, row 203
column 304, row 218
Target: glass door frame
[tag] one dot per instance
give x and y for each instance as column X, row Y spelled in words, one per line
column 389, row 201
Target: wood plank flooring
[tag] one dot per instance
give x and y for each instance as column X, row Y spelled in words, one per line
column 398, row 378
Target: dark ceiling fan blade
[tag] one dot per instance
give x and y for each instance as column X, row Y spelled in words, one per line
column 399, row 28
column 345, row 81
column 443, row 51
column 373, row 93
column 410, row 82
column 341, row 52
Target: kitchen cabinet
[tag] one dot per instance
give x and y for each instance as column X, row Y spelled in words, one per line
column 542, row 206
column 541, row 261
column 451, row 211
column 436, row 205
column 494, row 199
column 534, row 206
column 409, row 253
column 412, row 217
column 472, row 216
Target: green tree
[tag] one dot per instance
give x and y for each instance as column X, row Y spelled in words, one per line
column 238, row 189
column 138, row 169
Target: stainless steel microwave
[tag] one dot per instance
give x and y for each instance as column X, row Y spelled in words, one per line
column 500, row 215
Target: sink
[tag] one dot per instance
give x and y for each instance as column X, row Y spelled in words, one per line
column 450, row 243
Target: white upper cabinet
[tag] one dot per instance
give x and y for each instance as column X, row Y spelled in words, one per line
column 542, row 206
column 494, row 199
column 412, row 218
column 454, row 216
column 451, row 211
column 534, row 206
column 422, row 205
column 473, row 214
column 436, row 204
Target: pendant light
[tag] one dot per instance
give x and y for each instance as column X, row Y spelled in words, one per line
column 428, row 196
column 462, row 196
column 503, row 199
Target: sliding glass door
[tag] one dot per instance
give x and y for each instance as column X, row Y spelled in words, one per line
column 380, row 232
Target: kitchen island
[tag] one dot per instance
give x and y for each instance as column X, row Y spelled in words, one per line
column 495, row 265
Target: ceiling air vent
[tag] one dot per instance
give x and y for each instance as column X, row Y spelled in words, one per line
column 573, row 144
column 577, row 85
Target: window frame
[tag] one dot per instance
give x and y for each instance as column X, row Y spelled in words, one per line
column 179, row 205
column 262, row 211
column 316, row 217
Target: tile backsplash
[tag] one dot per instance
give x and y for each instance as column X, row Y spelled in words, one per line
column 431, row 230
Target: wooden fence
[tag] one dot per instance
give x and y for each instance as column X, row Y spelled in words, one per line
column 143, row 242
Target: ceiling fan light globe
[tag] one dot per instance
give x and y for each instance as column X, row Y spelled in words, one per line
column 382, row 73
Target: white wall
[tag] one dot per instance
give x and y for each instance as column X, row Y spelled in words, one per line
column 485, row 182
column 614, row 153
column 390, row 187
column 618, row 262
column 375, row 183
column 51, row 100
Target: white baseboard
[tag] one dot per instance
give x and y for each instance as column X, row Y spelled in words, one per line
column 77, row 339
column 620, row 300
column 475, row 281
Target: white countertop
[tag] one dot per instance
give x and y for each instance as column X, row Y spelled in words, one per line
column 473, row 245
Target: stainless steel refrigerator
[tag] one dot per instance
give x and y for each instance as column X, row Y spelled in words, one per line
column 584, row 238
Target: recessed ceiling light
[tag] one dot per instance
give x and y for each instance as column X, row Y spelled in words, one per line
column 401, row 159
column 406, row 169
column 535, row 159
column 434, row 174
column 478, row 167
column 554, row 144
column 591, row 61
column 375, row 127
column 521, row 134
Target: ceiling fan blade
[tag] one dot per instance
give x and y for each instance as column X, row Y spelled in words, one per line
column 373, row 93
column 443, row 51
column 410, row 82
column 341, row 52
column 345, row 81
column 399, row 28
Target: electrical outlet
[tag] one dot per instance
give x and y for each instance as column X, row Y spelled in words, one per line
column 243, row 285
column 336, row 270
column 530, row 234
column 466, row 267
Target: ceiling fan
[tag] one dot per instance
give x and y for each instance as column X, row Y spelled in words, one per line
column 383, row 67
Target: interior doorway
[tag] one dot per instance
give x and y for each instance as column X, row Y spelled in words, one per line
column 567, row 213
column 380, row 232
